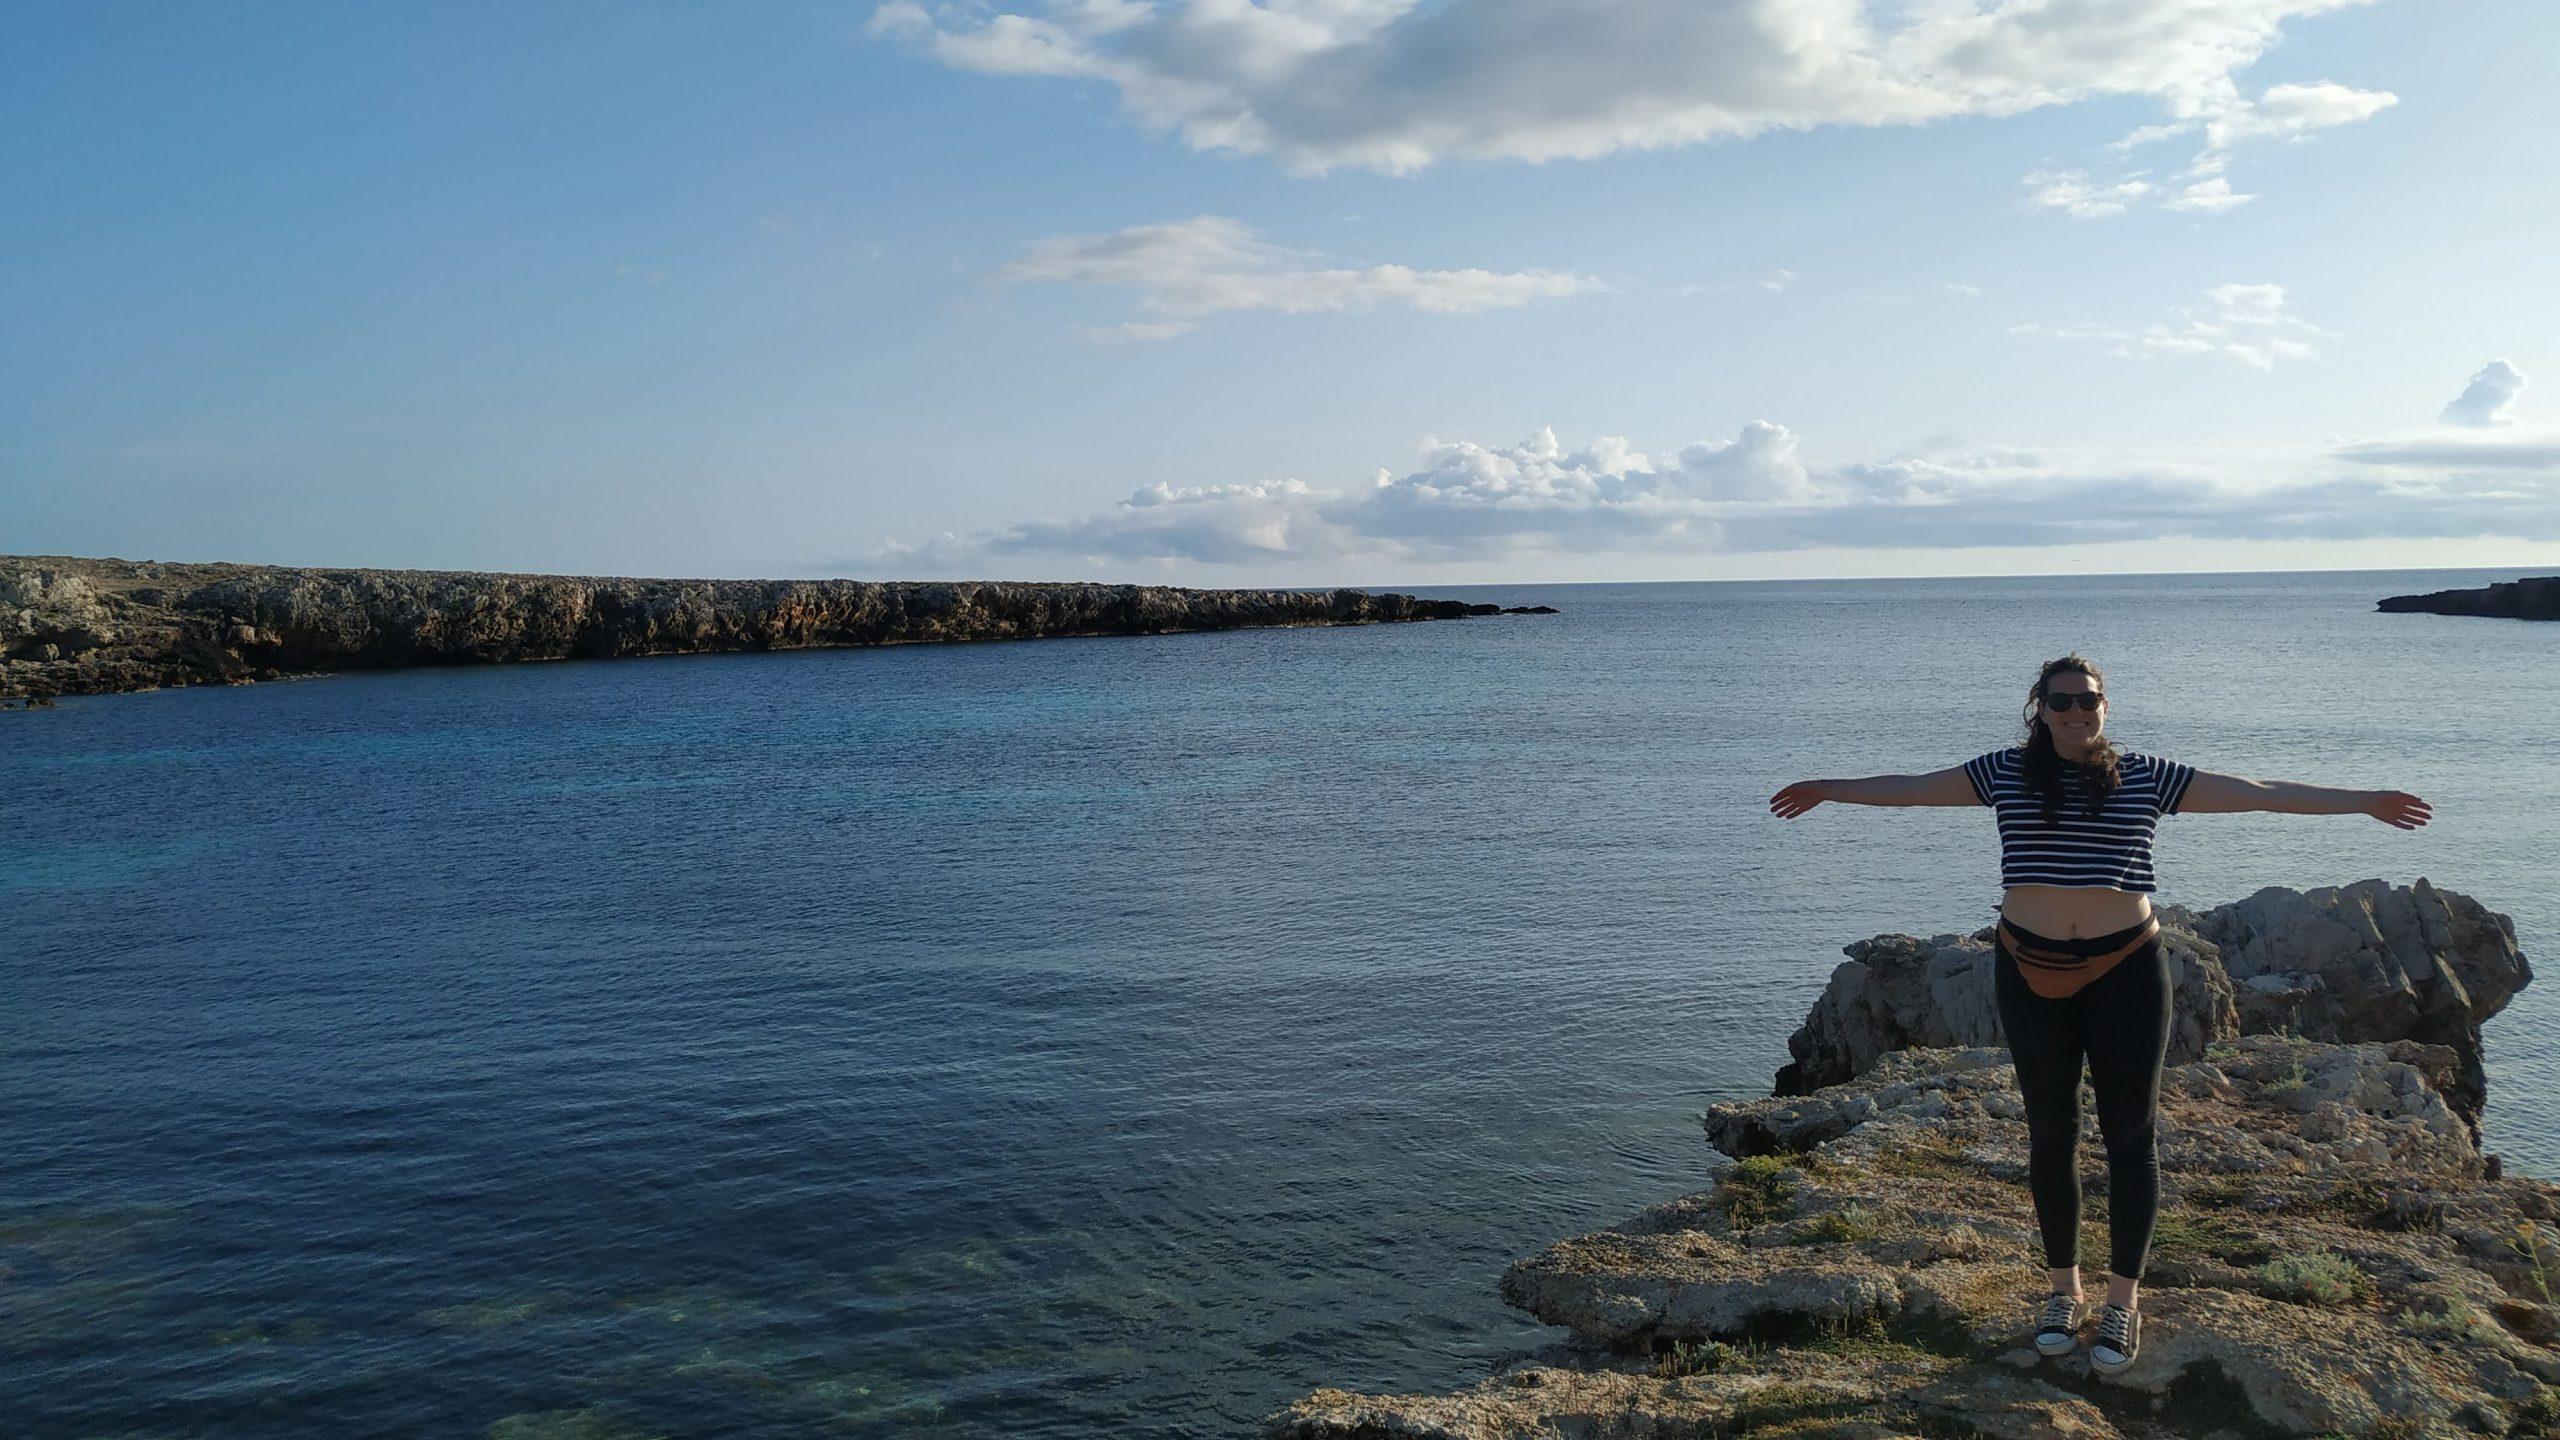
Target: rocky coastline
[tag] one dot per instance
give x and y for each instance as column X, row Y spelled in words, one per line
column 2335, row 1256
column 2535, row 598
column 85, row 627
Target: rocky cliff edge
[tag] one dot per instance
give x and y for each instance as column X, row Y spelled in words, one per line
column 2335, row 1256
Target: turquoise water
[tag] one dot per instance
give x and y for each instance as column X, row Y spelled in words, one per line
column 1069, row 1038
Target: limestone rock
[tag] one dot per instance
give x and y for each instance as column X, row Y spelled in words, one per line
column 2370, row 961
column 1899, row 992
column 2352, row 963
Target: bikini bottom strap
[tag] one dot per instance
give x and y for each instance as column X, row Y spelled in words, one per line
column 2038, row 951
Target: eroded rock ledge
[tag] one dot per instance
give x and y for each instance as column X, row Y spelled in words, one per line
column 2334, row 1257
column 86, row 627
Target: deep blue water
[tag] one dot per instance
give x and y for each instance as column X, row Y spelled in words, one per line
column 1067, row 1038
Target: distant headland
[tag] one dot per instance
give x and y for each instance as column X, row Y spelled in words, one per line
column 87, row 627
column 2537, row 598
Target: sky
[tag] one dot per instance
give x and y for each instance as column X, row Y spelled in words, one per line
column 1304, row 292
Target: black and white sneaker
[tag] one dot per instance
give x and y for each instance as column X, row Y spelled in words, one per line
column 2058, row 1325
column 2119, row 1339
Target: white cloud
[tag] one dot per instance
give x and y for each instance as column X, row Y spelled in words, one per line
column 2485, row 400
column 2072, row 192
column 2149, row 134
column 1190, row 269
column 2212, row 194
column 2247, row 323
column 1399, row 85
column 2292, row 112
column 1472, row 502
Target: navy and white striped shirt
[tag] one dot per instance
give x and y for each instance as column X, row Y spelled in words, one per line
column 2111, row 850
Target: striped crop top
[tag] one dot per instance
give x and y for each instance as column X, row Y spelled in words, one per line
column 2111, row 850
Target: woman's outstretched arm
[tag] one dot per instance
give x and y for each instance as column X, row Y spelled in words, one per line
column 2211, row 794
column 1939, row 787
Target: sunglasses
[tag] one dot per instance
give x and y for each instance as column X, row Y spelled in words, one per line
column 2059, row 701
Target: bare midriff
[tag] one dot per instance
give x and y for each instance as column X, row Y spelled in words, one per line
column 2071, row 912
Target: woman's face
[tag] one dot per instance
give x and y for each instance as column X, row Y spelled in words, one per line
column 2076, row 729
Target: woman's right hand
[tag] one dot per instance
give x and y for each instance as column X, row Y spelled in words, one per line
column 1796, row 799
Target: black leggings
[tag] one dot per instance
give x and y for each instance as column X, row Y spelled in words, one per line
column 2119, row 1023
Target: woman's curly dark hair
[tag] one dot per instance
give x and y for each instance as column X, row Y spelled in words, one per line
column 2044, row 768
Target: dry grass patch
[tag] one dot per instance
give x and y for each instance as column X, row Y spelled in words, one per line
column 1928, row 1157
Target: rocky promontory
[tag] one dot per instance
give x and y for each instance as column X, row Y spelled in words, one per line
column 2335, row 1255
column 2537, row 598
column 86, row 627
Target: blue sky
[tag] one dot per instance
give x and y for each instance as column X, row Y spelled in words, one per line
column 1332, row 291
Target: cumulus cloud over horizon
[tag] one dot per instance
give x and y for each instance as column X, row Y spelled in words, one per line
column 1186, row 270
column 2485, row 401
column 1401, row 85
column 1473, row 502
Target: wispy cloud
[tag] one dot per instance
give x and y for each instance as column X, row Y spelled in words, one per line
column 2247, row 323
column 1187, row 270
column 1776, row 282
column 2224, row 120
column 2073, row 193
column 1401, row 85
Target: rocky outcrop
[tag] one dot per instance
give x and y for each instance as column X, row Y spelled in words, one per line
column 78, row 627
column 2334, row 1255
column 2351, row 963
column 2537, row 598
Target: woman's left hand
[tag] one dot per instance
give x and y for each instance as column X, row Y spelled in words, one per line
column 2396, row 808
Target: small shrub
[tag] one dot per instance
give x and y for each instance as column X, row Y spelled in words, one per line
column 2323, row 1278
column 2451, row 1318
column 2289, row 1082
column 1754, row 1191
column 1846, row 1225
column 1697, row 1357
column 2527, row 1244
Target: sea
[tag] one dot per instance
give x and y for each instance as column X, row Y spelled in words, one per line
column 1064, row 1038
